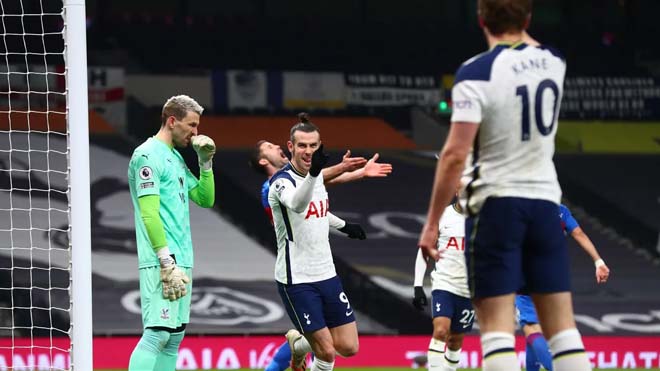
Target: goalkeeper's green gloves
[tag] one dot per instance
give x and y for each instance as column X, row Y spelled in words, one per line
column 205, row 148
column 173, row 278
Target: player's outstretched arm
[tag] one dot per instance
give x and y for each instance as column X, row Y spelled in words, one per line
column 352, row 230
column 372, row 169
column 347, row 164
column 602, row 271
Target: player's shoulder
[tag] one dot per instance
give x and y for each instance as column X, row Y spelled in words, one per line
column 563, row 210
column 283, row 173
column 479, row 67
column 553, row 51
column 146, row 148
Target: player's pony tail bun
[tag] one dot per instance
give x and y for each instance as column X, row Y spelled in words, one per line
column 303, row 117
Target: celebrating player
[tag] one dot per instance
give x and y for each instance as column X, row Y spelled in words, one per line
column 505, row 107
column 304, row 270
column 451, row 308
column 267, row 158
column 160, row 185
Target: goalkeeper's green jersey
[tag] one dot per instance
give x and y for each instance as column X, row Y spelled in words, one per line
column 157, row 169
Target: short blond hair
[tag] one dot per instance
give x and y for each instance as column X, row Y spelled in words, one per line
column 179, row 106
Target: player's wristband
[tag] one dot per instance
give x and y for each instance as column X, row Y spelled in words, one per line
column 599, row 263
column 164, row 256
column 207, row 165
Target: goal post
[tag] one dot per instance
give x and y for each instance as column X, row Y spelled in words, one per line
column 45, row 226
column 79, row 199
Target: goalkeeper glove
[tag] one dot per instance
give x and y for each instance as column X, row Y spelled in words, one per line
column 205, row 148
column 353, row 231
column 319, row 159
column 173, row 278
column 419, row 300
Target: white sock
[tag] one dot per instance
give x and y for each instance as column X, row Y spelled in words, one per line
column 436, row 354
column 302, row 346
column 321, row 365
column 498, row 350
column 568, row 352
column 452, row 357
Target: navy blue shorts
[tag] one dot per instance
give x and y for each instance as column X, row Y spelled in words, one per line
column 457, row 308
column 315, row 305
column 516, row 244
column 525, row 311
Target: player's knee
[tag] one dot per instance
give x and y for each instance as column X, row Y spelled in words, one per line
column 440, row 333
column 348, row 350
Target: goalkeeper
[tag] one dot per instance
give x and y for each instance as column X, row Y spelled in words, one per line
column 161, row 184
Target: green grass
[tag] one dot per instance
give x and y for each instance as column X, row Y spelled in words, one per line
column 420, row 369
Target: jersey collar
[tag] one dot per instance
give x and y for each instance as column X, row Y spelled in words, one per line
column 518, row 45
column 296, row 171
column 163, row 143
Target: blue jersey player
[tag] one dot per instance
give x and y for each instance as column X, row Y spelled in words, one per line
column 537, row 353
column 504, row 121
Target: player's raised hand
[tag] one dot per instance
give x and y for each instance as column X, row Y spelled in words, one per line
column 602, row 272
column 353, row 230
column 319, row 159
column 352, row 163
column 205, row 148
column 419, row 298
column 375, row 170
column 428, row 241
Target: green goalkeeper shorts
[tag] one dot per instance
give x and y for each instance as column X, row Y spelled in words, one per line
column 158, row 311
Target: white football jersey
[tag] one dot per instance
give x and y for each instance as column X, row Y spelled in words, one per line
column 450, row 273
column 513, row 92
column 303, row 247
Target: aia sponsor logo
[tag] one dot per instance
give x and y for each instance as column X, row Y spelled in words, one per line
column 318, row 209
column 456, row 243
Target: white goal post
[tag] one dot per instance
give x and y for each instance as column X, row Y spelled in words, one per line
column 78, row 128
column 45, row 238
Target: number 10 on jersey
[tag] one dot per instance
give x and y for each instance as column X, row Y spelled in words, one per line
column 523, row 92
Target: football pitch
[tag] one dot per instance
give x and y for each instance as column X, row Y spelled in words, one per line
column 408, row 369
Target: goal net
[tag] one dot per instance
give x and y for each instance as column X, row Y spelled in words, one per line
column 38, row 200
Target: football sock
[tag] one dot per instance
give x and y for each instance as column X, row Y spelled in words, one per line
column 321, row 365
column 166, row 360
column 568, row 352
column 436, row 354
column 531, row 364
column 452, row 357
column 147, row 349
column 281, row 359
column 537, row 345
column 498, row 350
